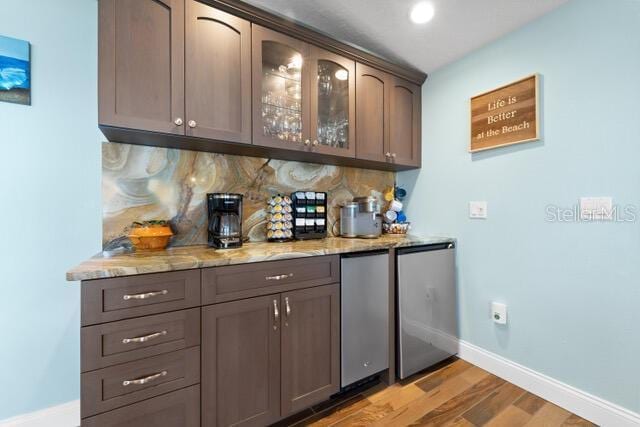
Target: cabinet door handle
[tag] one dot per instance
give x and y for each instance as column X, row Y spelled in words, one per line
column 287, row 307
column 145, row 295
column 145, row 380
column 178, row 121
column 144, row 338
column 387, row 154
column 393, row 155
column 315, row 142
column 279, row 276
column 276, row 315
column 307, row 142
column 192, row 123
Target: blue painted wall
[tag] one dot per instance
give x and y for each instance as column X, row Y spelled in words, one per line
column 572, row 289
column 50, row 196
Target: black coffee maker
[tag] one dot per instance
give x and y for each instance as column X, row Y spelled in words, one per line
column 225, row 220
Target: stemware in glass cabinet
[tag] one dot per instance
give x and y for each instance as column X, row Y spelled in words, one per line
column 281, row 92
column 333, row 104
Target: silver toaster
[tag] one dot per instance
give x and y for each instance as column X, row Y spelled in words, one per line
column 361, row 218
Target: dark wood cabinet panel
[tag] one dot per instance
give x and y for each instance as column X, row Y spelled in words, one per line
column 241, row 362
column 333, row 103
column 405, row 122
column 106, row 300
column 178, row 408
column 141, row 71
column 120, row 385
column 218, row 74
column 128, row 340
column 388, row 118
column 372, row 114
column 310, row 346
column 280, row 90
column 221, row 284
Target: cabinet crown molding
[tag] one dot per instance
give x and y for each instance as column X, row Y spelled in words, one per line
column 312, row 36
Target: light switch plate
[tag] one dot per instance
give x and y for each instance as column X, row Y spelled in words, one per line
column 478, row 210
column 596, row 208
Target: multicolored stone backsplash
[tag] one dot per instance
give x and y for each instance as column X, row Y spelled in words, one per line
column 143, row 183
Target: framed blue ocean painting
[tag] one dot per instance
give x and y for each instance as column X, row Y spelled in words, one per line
column 15, row 71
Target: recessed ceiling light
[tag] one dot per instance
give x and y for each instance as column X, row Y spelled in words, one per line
column 422, row 13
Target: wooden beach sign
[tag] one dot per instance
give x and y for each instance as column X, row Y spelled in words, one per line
column 506, row 115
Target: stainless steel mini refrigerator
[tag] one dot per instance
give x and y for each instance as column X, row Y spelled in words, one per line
column 364, row 315
column 427, row 315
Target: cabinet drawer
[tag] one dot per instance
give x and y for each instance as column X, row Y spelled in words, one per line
column 221, row 284
column 179, row 408
column 128, row 340
column 106, row 300
column 110, row 388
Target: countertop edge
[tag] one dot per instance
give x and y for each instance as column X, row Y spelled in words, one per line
column 178, row 259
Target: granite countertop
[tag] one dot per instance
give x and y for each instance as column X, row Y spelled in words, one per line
column 201, row 256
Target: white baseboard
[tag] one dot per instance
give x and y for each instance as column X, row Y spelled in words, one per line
column 592, row 408
column 64, row 415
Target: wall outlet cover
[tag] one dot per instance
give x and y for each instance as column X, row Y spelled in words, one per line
column 478, row 210
column 596, row 208
column 499, row 313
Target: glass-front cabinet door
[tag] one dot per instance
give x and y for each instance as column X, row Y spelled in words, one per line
column 280, row 90
column 332, row 127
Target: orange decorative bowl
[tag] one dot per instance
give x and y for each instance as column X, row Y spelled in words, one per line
column 150, row 235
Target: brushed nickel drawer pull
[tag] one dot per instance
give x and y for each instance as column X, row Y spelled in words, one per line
column 276, row 315
column 279, row 276
column 145, row 380
column 287, row 309
column 145, row 295
column 144, row 338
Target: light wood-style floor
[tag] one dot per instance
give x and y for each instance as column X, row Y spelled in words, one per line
column 453, row 393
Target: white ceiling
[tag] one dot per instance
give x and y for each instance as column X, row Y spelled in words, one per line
column 383, row 26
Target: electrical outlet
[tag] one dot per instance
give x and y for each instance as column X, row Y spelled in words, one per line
column 499, row 313
column 596, row 208
column 478, row 210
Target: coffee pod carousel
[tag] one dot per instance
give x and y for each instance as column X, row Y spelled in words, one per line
column 279, row 219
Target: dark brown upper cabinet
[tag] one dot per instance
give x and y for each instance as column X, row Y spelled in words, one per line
column 303, row 96
column 388, row 118
column 280, row 90
column 333, row 103
column 310, row 347
column 218, row 74
column 372, row 114
column 141, row 68
column 404, row 122
column 235, row 79
column 241, row 362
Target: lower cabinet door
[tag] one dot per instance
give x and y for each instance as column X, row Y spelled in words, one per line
column 310, row 346
column 179, row 408
column 241, row 362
